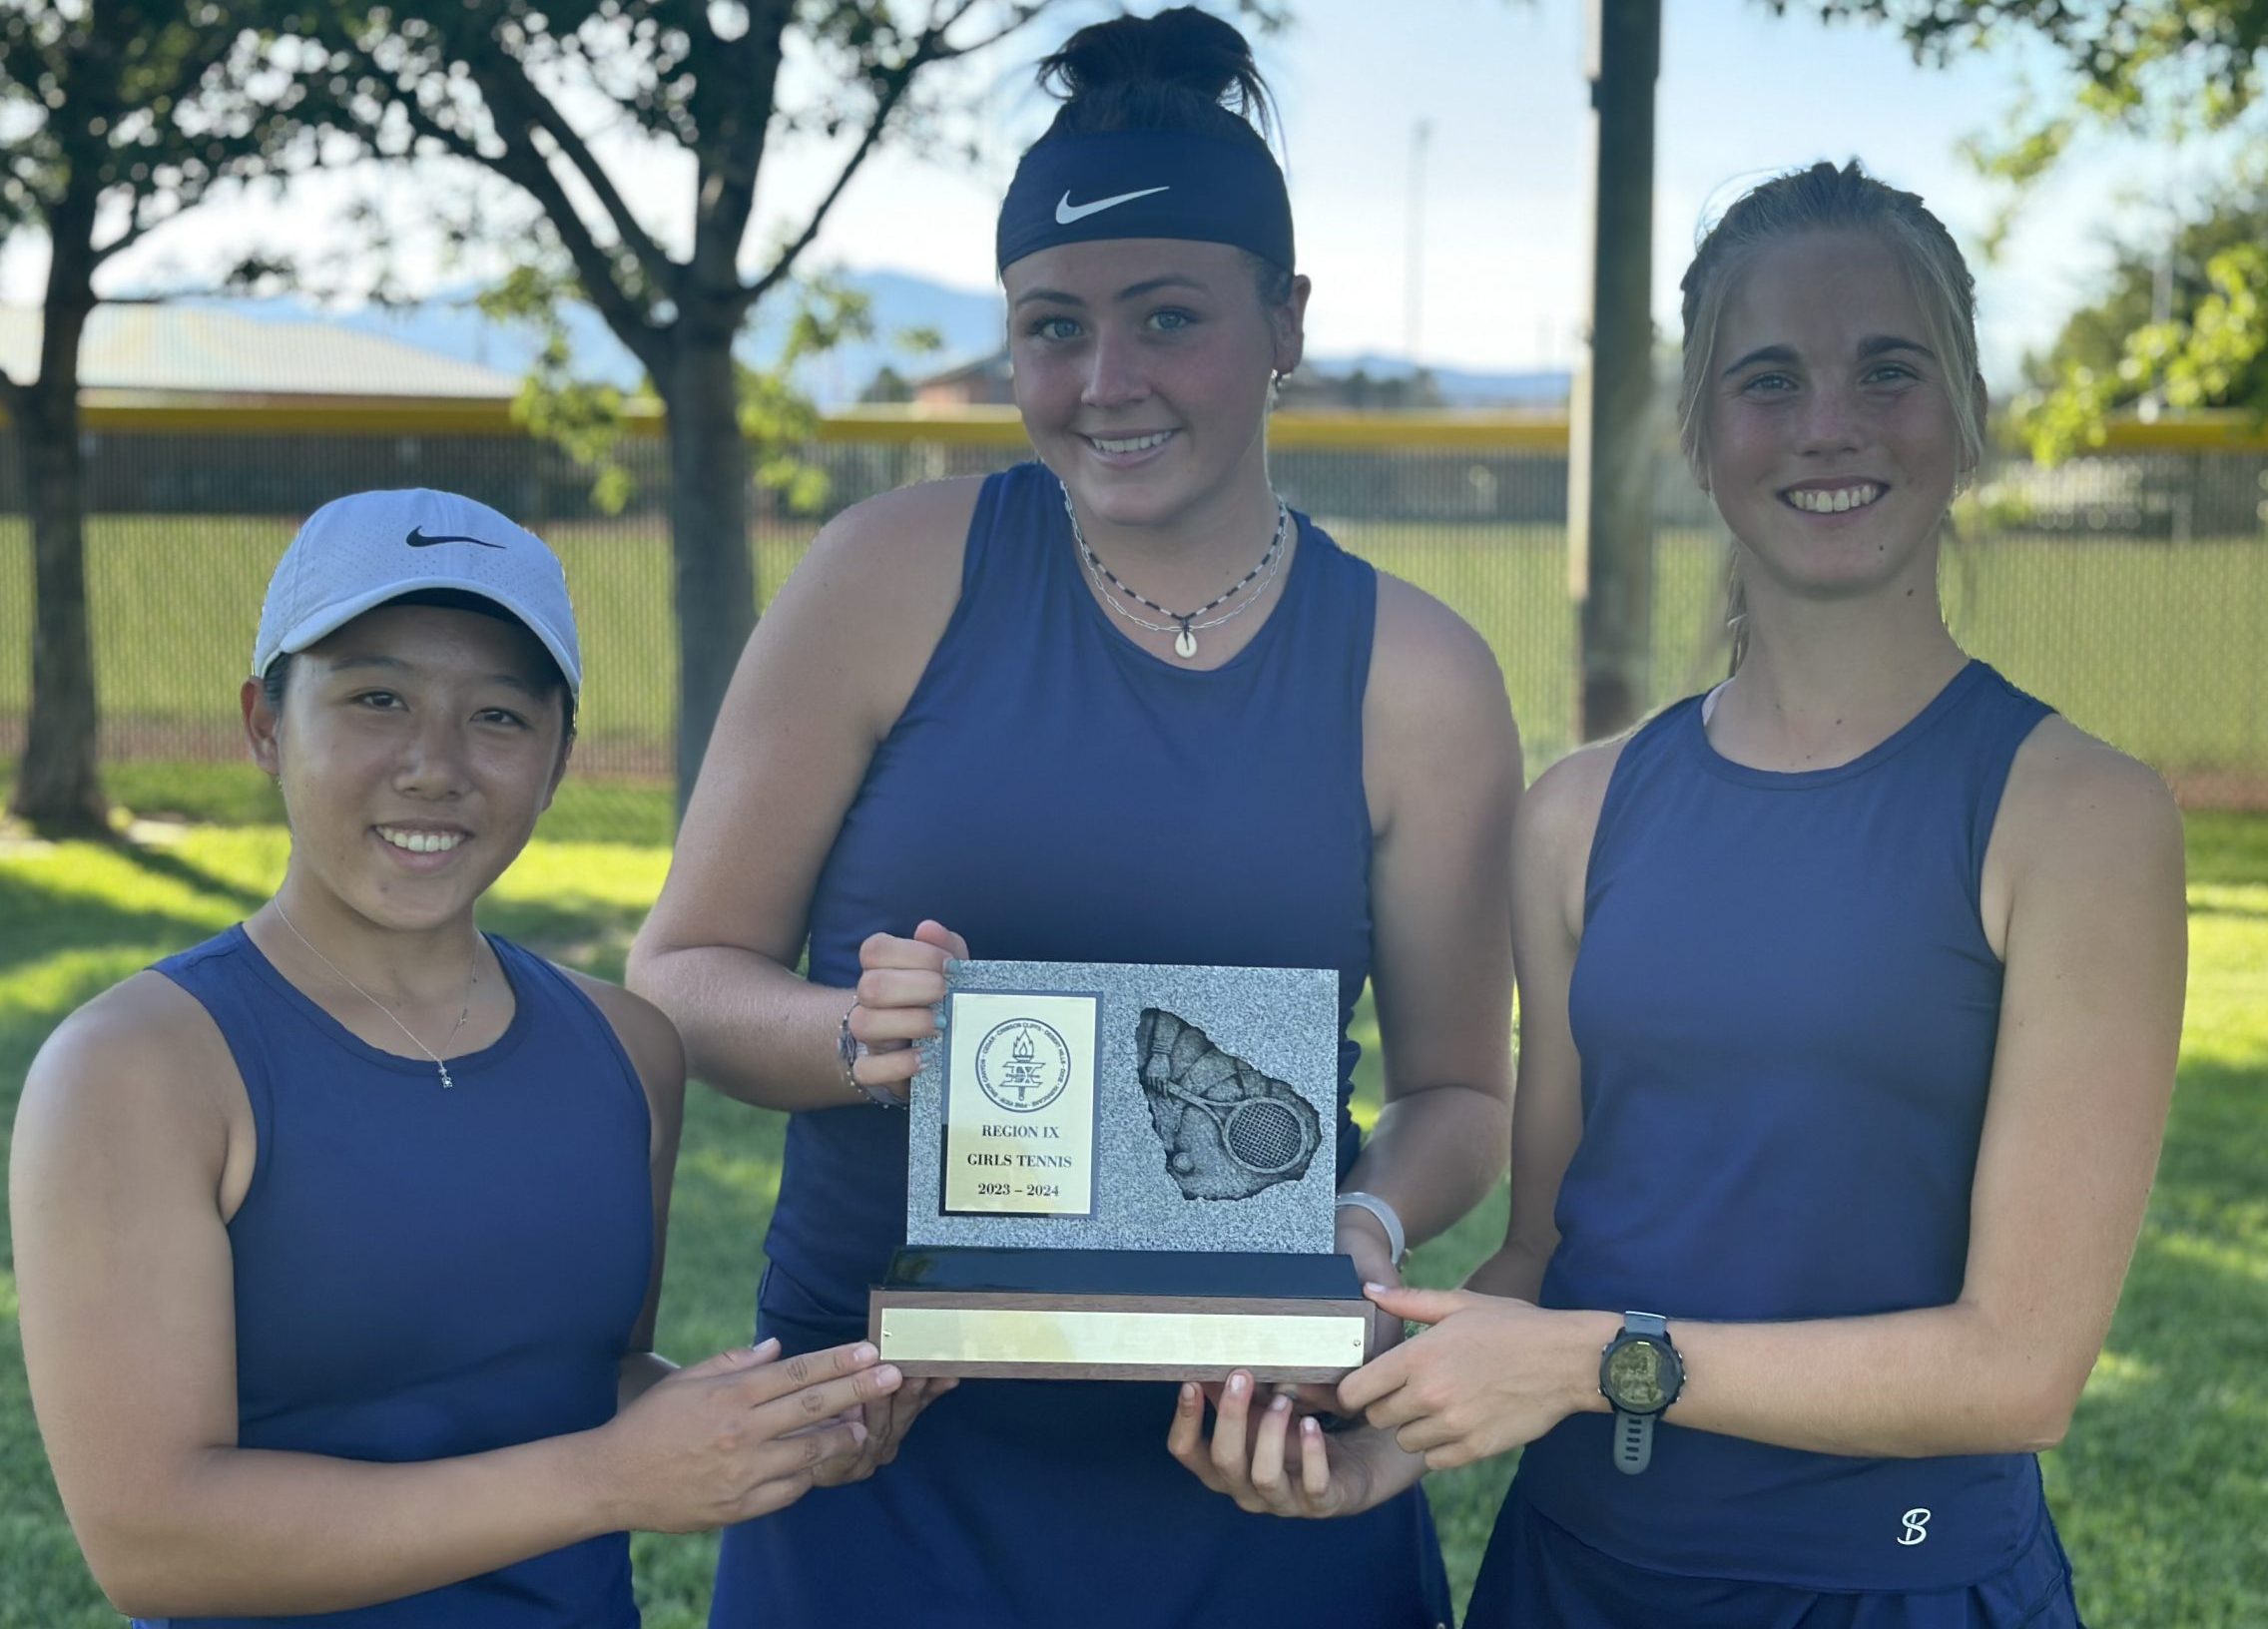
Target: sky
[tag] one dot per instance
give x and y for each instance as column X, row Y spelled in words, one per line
column 1502, row 192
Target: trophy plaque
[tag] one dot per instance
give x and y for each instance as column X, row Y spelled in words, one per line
column 1123, row 1171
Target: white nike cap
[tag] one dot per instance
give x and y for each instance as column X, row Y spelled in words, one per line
column 358, row 552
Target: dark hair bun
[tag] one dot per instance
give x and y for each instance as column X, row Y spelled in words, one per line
column 1180, row 70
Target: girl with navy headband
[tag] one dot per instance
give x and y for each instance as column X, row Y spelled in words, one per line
column 1119, row 704
column 339, row 1237
column 1849, row 999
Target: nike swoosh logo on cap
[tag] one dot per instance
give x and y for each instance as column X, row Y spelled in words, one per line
column 1067, row 212
column 419, row 540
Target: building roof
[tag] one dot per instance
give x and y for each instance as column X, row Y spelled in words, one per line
column 198, row 352
column 996, row 366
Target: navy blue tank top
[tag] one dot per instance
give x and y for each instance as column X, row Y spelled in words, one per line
column 424, row 1273
column 1786, row 1009
column 1053, row 793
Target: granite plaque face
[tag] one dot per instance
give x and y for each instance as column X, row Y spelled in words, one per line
column 1106, row 1106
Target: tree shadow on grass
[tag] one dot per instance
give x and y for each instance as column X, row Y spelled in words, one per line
column 727, row 1178
column 2243, row 911
column 2226, row 846
column 2162, row 1485
column 575, row 930
column 175, row 867
column 43, row 923
column 2216, row 1144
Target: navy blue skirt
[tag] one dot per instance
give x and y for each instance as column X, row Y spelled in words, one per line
column 1036, row 1503
column 1538, row 1574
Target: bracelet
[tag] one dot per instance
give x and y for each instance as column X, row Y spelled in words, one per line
column 1397, row 1241
column 846, row 1052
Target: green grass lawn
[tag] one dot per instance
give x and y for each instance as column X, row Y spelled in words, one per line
column 2156, row 647
column 2161, row 1488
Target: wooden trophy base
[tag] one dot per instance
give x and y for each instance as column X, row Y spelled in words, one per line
column 1120, row 1315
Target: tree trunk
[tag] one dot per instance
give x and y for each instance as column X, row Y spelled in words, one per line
column 58, row 789
column 1610, row 519
column 709, row 522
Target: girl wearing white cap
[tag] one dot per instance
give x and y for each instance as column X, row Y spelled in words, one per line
column 338, row 1237
column 1120, row 704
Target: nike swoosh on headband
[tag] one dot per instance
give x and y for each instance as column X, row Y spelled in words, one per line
column 419, row 540
column 1066, row 211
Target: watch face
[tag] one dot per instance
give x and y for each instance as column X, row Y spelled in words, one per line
column 1634, row 1377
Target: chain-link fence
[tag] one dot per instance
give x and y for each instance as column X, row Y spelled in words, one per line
column 2129, row 589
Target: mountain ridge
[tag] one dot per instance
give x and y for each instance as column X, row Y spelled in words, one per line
column 967, row 322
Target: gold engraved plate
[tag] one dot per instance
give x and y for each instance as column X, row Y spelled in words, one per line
column 1200, row 1342
column 1019, row 1107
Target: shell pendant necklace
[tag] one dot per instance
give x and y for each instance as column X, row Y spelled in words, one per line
column 472, row 977
column 1182, row 625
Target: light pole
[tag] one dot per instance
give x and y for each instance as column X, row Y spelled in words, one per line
column 1414, row 292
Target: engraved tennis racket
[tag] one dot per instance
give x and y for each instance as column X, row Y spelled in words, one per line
column 1262, row 1134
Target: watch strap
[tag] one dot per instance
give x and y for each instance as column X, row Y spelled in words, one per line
column 1633, row 1443
column 1634, row 1433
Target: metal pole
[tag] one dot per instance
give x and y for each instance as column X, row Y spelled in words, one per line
column 1610, row 465
column 1415, row 263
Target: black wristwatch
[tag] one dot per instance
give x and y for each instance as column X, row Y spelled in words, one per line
column 1641, row 1375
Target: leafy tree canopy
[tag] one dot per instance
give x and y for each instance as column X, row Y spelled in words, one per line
column 639, row 129
column 115, row 116
column 2162, row 70
column 2156, row 67
column 2183, row 325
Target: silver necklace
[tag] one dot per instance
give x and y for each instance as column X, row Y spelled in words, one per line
column 471, row 978
column 1184, row 625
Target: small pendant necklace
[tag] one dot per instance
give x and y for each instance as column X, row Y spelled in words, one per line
column 472, row 977
column 1182, row 625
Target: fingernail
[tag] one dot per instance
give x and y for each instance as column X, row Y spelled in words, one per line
column 863, row 1353
column 1310, row 1427
column 1188, row 1394
column 1370, row 1289
column 767, row 1347
column 1280, row 1406
column 1238, row 1381
column 887, row 1374
column 857, row 1431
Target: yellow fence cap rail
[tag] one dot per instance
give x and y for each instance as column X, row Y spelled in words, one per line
column 897, row 423
column 1001, row 426
column 1480, row 431
column 2213, row 430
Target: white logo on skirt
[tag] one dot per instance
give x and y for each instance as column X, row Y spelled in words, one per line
column 1916, row 1525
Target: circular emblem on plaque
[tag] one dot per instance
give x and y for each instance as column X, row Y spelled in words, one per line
column 1023, row 1065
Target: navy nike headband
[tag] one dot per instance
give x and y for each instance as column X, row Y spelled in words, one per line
column 1146, row 183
